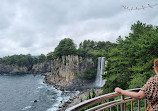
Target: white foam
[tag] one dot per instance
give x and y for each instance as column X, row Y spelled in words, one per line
column 40, row 87
column 52, row 109
column 40, row 82
column 56, row 105
column 26, row 108
column 62, row 99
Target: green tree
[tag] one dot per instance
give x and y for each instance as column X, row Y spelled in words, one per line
column 89, row 95
column 50, row 56
column 130, row 61
column 93, row 93
column 64, row 48
column 19, row 60
column 90, row 48
column 41, row 58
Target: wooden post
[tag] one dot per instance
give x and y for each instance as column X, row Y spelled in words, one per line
column 118, row 107
column 122, row 105
column 131, row 105
column 138, row 104
column 111, row 108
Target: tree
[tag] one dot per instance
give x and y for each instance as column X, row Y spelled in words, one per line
column 41, row 58
column 90, row 48
column 64, row 48
column 50, row 56
column 89, row 95
column 93, row 93
column 130, row 61
column 19, row 60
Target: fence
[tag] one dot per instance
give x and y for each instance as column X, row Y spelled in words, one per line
column 119, row 103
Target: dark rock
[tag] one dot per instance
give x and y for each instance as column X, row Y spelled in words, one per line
column 35, row 101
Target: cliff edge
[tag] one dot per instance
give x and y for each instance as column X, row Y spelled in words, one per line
column 67, row 72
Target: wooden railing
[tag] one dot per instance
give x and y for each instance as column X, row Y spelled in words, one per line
column 119, row 104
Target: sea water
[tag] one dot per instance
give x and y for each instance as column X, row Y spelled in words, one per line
column 27, row 92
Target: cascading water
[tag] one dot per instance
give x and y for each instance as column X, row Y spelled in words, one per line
column 99, row 82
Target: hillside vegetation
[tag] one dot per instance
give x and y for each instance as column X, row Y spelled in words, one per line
column 130, row 62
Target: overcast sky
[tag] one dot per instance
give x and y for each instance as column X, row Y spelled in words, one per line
column 37, row 26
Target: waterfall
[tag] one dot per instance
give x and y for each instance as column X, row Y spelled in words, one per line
column 99, row 82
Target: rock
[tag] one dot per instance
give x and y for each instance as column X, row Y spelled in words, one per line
column 12, row 69
column 35, row 101
column 77, row 99
column 35, row 69
column 65, row 71
column 44, row 67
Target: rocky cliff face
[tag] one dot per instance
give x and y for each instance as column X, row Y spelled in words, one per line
column 65, row 71
column 36, row 69
column 60, row 72
column 41, row 68
column 11, row 69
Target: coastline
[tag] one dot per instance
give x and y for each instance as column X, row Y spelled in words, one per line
column 81, row 93
column 82, row 96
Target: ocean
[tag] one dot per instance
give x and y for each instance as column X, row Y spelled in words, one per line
column 27, row 92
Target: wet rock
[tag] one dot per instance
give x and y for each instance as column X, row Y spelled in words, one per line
column 35, row 101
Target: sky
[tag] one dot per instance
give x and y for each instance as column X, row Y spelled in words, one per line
column 37, row 26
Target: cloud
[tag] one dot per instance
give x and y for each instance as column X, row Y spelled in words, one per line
column 37, row 26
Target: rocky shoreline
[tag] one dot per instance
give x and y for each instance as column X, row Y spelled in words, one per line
column 82, row 96
column 77, row 86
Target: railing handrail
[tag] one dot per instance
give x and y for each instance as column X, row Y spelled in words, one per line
column 98, row 99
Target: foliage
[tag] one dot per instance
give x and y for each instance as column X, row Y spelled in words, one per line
column 41, row 58
column 88, row 74
column 93, row 93
column 19, row 60
column 64, row 48
column 89, row 95
column 23, row 60
column 87, row 48
column 90, row 48
column 130, row 62
column 50, row 56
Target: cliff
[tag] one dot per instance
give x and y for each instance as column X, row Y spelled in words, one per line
column 41, row 68
column 67, row 71
column 62, row 72
column 36, row 69
column 11, row 69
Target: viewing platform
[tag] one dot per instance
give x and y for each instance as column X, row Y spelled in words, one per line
column 117, row 104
